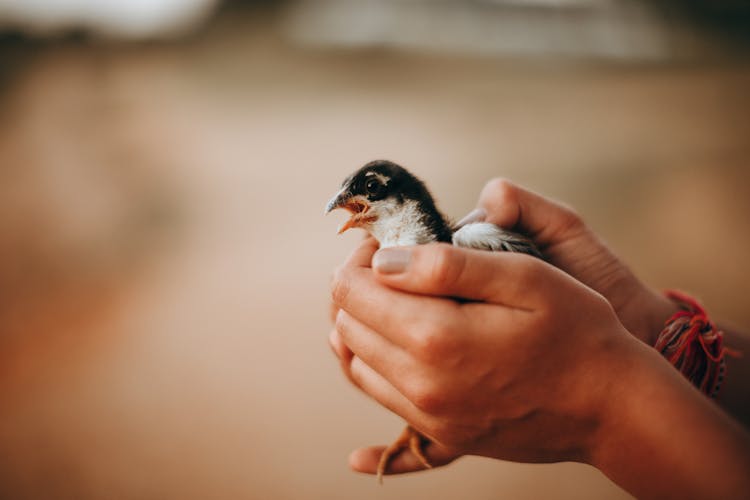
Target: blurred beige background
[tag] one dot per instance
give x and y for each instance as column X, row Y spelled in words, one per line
column 164, row 262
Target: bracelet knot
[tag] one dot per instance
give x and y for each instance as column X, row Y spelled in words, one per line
column 694, row 345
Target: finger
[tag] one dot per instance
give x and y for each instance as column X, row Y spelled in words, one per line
column 338, row 346
column 343, row 353
column 333, row 310
column 377, row 387
column 506, row 278
column 366, row 459
column 376, row 351
column 362, row 255
column 397, row 316
column 512, row 207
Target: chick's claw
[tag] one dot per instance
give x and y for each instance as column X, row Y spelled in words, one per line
column 409, row 439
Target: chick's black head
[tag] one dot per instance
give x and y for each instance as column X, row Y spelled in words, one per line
column 378, row 191
column 381, row 179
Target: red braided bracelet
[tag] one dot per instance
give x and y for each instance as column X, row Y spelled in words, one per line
column 693, row 344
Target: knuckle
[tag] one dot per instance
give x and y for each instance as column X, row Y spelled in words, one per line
column 431, row 343
column 570, row 220
column 502, row 189
column 426, row 396
column 333, row 310
column 341, row 321
column 340, row 285
column 502, row 200
column 446, row 267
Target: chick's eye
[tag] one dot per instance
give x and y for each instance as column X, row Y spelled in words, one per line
column 373, row 186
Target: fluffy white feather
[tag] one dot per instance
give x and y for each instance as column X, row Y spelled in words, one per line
column 481, row 235
column 399, row 225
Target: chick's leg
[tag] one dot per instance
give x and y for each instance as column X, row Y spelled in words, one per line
column 410, row 439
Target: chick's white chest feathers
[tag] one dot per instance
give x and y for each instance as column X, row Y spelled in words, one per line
column 399, row 224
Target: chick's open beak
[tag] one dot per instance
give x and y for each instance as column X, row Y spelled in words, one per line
column 337, row 201
column 356, row 205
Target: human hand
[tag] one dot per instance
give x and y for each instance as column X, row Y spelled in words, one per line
column 525, row 372
column 570, row 245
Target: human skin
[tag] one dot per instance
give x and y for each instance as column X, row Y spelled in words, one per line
column 535, row 367
column 569, row 244
column 538, row 367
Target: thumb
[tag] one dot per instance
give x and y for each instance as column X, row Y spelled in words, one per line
column 507, row 278
column 509, row 206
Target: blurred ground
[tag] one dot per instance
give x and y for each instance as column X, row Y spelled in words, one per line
column 164, row 262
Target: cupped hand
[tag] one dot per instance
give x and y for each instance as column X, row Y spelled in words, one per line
column 569, row 244
column 522, row 371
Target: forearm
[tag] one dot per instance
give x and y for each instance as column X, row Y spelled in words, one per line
column 661, row 438
column 654, row 309
column 734, row 395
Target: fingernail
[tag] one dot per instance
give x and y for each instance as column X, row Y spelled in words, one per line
column 391, row 260
column 476, row 215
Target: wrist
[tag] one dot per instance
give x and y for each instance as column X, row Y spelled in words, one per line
column 629, row 374
column 607, row 380
column 646, row 314
column 618, row 375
